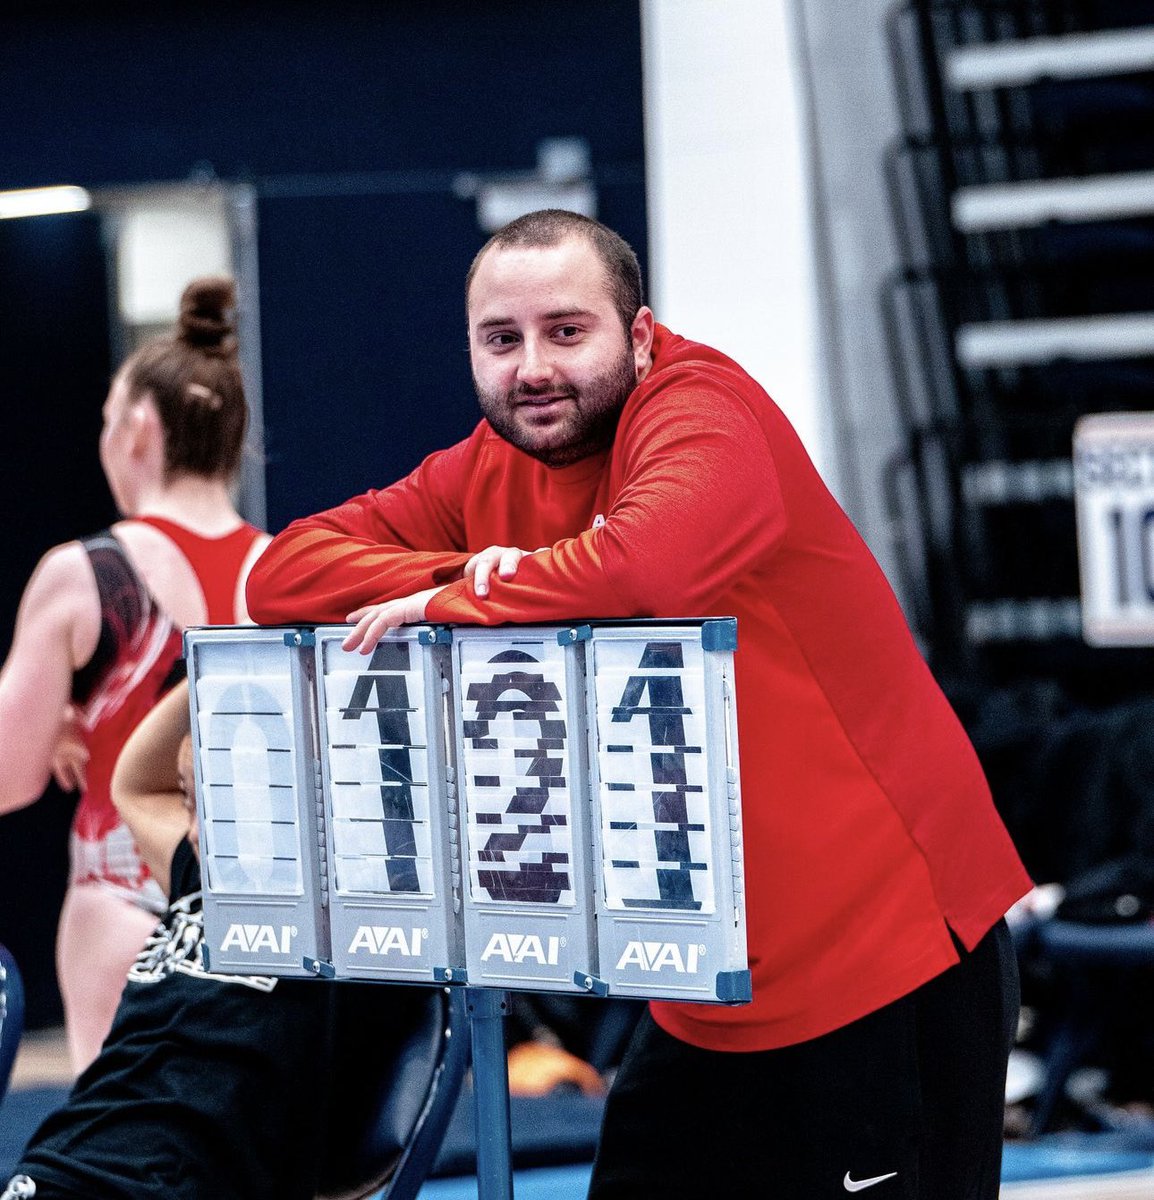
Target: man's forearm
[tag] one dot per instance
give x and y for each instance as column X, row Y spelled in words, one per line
column 378, row 546
column 312, row 574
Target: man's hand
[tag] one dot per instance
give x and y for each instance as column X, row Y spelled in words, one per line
column 503, row 559
column 375, row 620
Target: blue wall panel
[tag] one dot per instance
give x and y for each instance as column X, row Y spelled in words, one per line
column 360, row 289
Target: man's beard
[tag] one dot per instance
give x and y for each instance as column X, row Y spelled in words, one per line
column 586, row 429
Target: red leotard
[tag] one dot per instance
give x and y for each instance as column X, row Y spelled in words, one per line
column 137, row 660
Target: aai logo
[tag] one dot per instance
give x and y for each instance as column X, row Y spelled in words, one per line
column 659, row 956
column 251, row 938
column 522, row 948
column 387, row 939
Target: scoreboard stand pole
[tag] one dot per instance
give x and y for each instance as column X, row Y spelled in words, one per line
column 487, row 1008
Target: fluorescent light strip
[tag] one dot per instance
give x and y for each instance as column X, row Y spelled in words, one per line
column 40, row 202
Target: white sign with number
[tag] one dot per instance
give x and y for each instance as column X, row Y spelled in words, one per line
column 1114, row 500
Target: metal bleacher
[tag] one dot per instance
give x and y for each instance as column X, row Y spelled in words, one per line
column 1022, row 190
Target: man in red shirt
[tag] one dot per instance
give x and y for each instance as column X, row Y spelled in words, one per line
column 622, row 471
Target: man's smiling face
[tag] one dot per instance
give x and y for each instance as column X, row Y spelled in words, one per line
column 552, row 364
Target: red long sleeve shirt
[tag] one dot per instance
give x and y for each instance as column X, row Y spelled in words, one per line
column 869, row 828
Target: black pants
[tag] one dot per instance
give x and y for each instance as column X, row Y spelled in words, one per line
column 907, row 1101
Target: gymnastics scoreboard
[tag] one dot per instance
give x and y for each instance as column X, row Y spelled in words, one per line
column 535, row 808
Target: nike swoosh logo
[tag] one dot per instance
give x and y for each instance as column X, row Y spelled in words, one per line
column 859, row 1185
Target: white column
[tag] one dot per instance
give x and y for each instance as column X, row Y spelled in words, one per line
column 731, row 259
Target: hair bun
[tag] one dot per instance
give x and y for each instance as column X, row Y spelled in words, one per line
column 208, row 314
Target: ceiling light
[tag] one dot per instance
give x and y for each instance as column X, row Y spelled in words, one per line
column 39, row 202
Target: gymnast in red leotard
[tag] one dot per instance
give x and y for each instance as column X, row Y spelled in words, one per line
column 97, row 637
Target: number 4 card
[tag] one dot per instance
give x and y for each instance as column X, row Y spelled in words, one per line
column 663, row 756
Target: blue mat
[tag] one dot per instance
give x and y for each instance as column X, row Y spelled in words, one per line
column 1056, row 1157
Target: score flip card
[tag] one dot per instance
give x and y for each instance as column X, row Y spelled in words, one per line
column 254, row 748
column 521, row 764
column 663, row 773
column 390, row 807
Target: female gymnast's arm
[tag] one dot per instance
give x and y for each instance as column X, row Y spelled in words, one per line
column 152, row 784
column 57, row 628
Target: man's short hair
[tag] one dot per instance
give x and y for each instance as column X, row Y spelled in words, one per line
column 551, row 226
